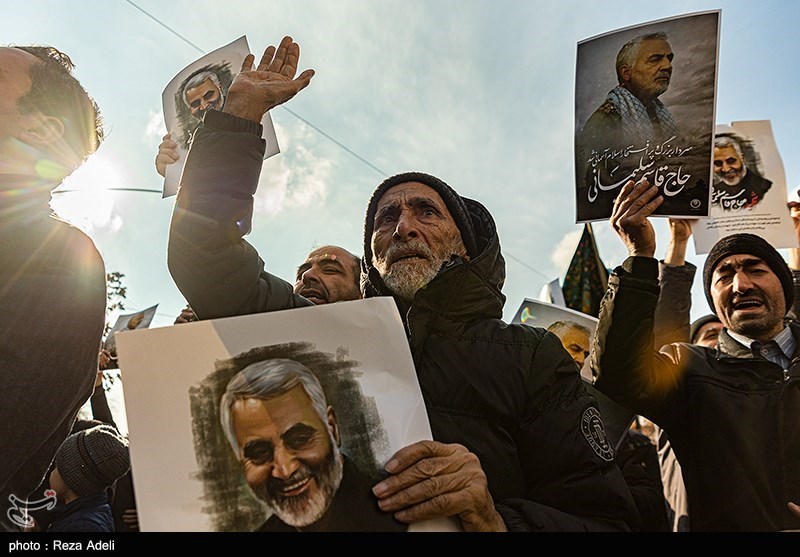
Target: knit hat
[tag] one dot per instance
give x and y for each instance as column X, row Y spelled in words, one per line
column 753, row 245
column 698, row 324
column 91, row 460
column 454, row 202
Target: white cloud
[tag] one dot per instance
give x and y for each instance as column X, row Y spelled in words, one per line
column 564, row 250
column 155, row 125
column 297, row 178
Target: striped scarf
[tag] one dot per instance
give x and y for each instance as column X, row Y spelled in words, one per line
column 636, row 123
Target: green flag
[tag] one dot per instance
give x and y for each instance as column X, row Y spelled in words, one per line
column 586, row 278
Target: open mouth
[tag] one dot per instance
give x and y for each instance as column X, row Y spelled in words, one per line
column 314, row 296
column 296, row 487
column 747, row 305
column 407, row 257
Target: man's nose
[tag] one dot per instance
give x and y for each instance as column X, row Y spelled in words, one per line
column 284, row 463
column 310, row 275
column 742, row 282
column 406, row 227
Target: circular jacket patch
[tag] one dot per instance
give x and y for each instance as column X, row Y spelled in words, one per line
column 595, row 434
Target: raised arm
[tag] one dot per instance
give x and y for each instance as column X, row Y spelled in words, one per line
column 623, row 361
column 219, row 273
column 675, row 276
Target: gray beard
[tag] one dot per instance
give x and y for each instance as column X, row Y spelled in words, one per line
column 738, row 180
column 404, row 280
column 305, row 510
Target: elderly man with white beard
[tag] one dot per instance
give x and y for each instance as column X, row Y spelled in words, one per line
column 518, row 442
column 281, row 428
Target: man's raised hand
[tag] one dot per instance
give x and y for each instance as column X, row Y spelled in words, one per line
column 254, row 92
column 632, row 207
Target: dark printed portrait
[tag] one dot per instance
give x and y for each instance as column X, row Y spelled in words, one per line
column 286, row 440
column 205, row 88
column 739, row 181
column 644, row 108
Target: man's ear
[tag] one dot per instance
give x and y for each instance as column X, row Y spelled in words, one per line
column 333, row 426
column 43, row 131
column 625, row 73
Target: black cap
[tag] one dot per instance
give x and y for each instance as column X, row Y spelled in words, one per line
column 697, row 324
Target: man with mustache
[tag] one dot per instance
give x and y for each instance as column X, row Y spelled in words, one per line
column 632, row 112
column 201, row 92
column 632, row 116
column 730, row 412
column 280, row 426
column 518, row 442
column 736, row 186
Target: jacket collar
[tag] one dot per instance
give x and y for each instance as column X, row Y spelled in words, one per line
column 729, row 346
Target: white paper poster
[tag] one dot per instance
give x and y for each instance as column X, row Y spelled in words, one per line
column 200, row 86
column 748, row 193
column 185, row 432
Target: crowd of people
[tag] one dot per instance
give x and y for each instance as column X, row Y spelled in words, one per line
column 518, row 442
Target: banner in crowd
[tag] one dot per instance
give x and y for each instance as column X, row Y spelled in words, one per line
column 586, row 279
column 201, row 85
column 214, row 408
column 575, row 330
column 644, row 108
column 749, row 190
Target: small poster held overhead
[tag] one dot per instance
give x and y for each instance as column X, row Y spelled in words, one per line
column 200, row 86
column 644, row 108
column 749, row 189
column 127, row 322
column 272, row 422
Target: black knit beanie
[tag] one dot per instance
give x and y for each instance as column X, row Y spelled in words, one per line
column 698, row 323
column 754, row 245
column 454, row 202
column 91, row 460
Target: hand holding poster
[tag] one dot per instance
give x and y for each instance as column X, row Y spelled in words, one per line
column 200, row 86
column 656, row 123
column 127, row 322
column 749, row 189
column 214, row 406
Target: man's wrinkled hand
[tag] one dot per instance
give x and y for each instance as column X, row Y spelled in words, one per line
column 632, row 207
column 434, row 480
column 254, row 92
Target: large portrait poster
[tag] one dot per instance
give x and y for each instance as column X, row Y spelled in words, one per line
column 200, row 86
column 748, row 193
column 576, row 332
column 644, row 108
column 278, row 421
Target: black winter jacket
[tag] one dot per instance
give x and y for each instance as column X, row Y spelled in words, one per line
column 509, row 393
column 732, row 418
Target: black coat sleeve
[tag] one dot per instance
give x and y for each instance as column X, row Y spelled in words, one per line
column 217, row 271
column 574, row 485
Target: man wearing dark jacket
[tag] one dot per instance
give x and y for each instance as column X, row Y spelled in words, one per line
column 519, row 443
column 52, row 278
column 731, row 412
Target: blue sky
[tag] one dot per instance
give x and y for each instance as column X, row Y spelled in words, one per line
column 477, row 92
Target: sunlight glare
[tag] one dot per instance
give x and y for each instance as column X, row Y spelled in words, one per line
column 84, row 199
